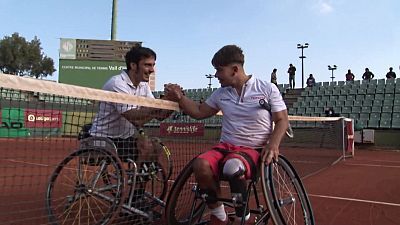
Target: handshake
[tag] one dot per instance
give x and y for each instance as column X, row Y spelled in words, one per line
column 173, row 92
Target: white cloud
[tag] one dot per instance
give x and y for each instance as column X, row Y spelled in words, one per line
column 324, row 6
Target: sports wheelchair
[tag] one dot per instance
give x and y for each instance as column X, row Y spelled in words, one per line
column 280, row 197
column 94, row 183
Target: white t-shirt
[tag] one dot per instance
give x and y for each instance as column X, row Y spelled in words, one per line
column 245, row 122
column 108, row 121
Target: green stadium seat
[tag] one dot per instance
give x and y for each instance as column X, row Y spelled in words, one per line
column 397, row 88
column 362, row 91
column 346, row 109
column 373, row 123
column 396, row 108
column 371, row 91
column 337, row 109
column 381, row 82
column 376, row 109
column 396, row 115
column 308, row 98
column 301, row 111
column 397, row 96
column 374, row 116
column 385, row 123
column 331, row 103
column 396, row 102
column 319, row 110
column 370, row 96
column 313, row 103
column 342, row 97
column 387, row 108
column 358, row 103
column 335, row 97
column 367, row 102
column 321, row 103
column 340, row 103
column 389, row 96
column 325, row 98
column 379, row 96
column 325, row 84
column 336, row 92
column 386, row 115
column 362, row 123
column 346, row 115
column 390, row 81
column 366, row 109
column 356, row 109
column 296, row 104
column 388, row 102
column 353, row 91
column 341, row 83
column 310, row 110
column 364, row 116
column 380, row 90
column 304, row 104
column 390, row 89
column 354, row 116
column 344, row 92
column 360, row 97
column 373, row 82
column 396, row 123
column 349, row 103
column 377, row 103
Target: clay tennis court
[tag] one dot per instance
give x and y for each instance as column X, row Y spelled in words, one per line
column 359, row 190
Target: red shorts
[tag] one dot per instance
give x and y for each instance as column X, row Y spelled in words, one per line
column 217, row 158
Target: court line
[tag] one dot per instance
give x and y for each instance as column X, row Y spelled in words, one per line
column 355, row 200
column 370, row 165
column 24, row 162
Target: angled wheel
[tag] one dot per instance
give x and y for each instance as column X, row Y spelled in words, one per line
column 153, row 183
column 182, row 206
column 285, row 194
column 85, row 188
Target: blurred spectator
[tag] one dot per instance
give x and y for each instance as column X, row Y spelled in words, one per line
column 273, row 77
column 391, row 74
column 292, row 72
column 349, row 76
column 329, row 112
column 310, row 81
column 368, row 75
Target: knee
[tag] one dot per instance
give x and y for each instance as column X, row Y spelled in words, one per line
column 201, row 167
column 233, row 168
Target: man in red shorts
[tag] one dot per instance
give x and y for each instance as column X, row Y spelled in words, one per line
column 246, row 134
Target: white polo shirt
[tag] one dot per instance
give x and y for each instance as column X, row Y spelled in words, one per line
column 108, row 121
column 244, row 121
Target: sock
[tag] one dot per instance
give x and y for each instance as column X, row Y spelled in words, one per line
column 219, row 212
column 247, row 217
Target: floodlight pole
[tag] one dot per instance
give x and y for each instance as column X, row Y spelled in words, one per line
column 332, row 68
column 114, row 21
column 209, row 76
column 302, row 57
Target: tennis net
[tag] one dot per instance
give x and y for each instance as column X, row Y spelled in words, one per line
column 53, row 172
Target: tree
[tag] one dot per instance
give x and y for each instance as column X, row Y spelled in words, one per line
column 21, row 57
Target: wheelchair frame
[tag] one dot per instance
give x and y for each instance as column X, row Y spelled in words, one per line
column 88, row 186
column 285, row 196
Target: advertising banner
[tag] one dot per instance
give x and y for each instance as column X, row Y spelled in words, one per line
column 182, row 129
column 39, row 118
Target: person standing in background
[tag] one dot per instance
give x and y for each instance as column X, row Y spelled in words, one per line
column 273, row 77
column 391, row 74
column 349, row 76
column 292, row 72
column 368, row 75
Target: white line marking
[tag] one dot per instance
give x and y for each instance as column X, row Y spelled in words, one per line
column 370, row 165
column 17, row 161
column 356, row 200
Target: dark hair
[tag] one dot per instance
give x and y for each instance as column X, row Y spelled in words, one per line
column 137, row 53
column 227, row 55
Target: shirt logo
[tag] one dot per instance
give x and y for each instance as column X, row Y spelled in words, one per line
column 257, row 97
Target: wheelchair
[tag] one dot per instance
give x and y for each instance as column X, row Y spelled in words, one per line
column 276, row 194
column 94, row 183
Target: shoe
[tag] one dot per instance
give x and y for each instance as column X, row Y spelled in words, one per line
column 215, row 221
column 251, row 221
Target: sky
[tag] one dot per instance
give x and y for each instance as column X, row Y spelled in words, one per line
column 352, row 34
